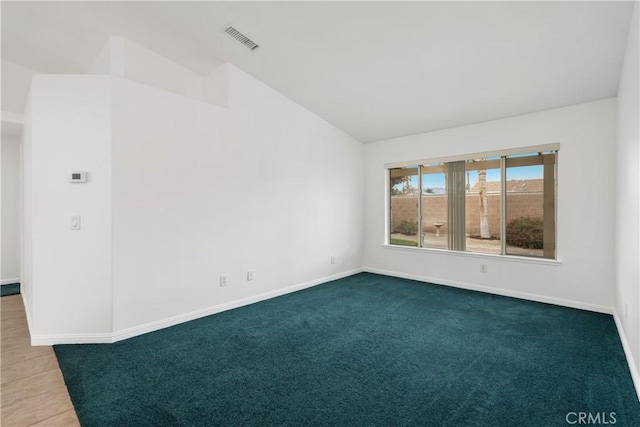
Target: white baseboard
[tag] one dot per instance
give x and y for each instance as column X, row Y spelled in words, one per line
column 105, row 338
column 181, row 318
column 496, row 291
column 27, row 310
column 10, row 281
column 175, row 320
column 53, row 339
column 627, row 352
column 532, row 297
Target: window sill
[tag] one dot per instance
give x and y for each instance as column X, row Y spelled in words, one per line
column 510, row 258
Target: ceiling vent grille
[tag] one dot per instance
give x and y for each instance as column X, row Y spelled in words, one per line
column 250, row 44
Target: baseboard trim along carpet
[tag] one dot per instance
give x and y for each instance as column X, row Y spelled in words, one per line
column 496, row 291
column 627, row 352
column 106, row 338
column 531, row 297
column 367, row 349
column 175, row 320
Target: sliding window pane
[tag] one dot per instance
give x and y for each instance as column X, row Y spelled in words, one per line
column 434, row 206
column 530, row 205
column 483, row 205
column 404, row 206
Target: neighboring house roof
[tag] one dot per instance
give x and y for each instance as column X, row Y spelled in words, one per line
column 513, row 186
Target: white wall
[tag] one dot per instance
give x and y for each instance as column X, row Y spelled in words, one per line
column 26, row 213
column 69, row 272
column 628, row 195
column 110, row 60
column 16, row 80
column 304, row 194
column 10, row 208
column 216, row 86
column 586, row 209
column 121, row 57
column 165, row 74
column 181, row 191
column 170, row 205
column 201, row 191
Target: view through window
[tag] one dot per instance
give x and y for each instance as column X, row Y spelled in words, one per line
column 496, row 204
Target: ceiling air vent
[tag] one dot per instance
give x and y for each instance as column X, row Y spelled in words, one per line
column 250, row 44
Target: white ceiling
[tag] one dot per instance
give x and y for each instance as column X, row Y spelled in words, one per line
column 376, row 70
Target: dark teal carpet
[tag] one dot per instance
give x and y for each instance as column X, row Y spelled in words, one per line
column 364, row 350
column 11, row 289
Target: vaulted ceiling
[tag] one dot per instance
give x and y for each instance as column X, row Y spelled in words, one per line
column 374, row 69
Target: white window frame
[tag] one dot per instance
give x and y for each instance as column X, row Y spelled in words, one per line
column 463, row 157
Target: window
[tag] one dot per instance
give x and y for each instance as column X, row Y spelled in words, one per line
column 493, row 203
column 405, row 214
column 434, row 206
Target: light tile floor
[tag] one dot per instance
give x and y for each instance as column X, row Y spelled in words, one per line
column 32, row 389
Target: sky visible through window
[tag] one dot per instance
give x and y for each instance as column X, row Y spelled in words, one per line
column 437, row 181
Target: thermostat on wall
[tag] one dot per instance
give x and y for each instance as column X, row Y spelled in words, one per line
column 78, row 176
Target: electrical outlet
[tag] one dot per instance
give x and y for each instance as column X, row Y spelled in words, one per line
column 333, row 259
column 483, row 268
column 626, row 310
column 249, row 276
column 224, row 279
column 75, row 222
